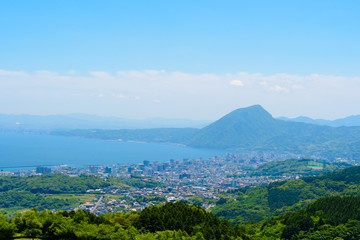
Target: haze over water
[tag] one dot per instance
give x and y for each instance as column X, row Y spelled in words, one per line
column 19, row 151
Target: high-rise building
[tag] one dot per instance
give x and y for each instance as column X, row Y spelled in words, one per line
column 43, row 170
column 108, row 170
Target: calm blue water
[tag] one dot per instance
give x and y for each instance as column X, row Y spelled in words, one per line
column 17, row 151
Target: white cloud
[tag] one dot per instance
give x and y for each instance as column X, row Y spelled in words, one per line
column 45, row 73
column 119, row 95
column 279, row 89
column 11, row 73
column 297, row 86
column 156, row 101
column 154, row 72
column 100, row 74
column 132, row 74
column 181, row 94
column 237, row 83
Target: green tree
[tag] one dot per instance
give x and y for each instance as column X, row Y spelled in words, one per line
column 32, row 224
column 7, row 228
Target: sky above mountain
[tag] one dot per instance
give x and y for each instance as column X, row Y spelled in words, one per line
column 180, row 59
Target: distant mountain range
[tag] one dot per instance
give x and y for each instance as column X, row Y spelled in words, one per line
column 251, row 128
column 85, row 121
column 254, row 128
column 343, row 122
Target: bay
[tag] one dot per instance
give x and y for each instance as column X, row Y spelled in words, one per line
column 26, row 151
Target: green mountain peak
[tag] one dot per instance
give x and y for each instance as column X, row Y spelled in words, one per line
column 239, row 127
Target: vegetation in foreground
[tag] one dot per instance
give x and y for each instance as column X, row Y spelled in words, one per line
column 170, row 221
column 295, row 212
column 263, row 202
column 327, row 218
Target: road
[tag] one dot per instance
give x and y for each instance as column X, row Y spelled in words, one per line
column 97, row 204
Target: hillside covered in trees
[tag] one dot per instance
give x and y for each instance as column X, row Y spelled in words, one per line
column 262, row 202
column 302, row 167
column 17, row 193
column 245, row 129
column 170, row 221
column 52, row 183
column 327, row 218
column 41, row 191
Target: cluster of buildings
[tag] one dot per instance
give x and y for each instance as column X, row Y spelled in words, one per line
column 198, row 181
column 136, row 199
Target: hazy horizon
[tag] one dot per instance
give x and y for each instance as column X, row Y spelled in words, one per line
column 77, row 114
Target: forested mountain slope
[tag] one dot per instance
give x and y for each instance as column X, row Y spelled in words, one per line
column 253, row 128
column 327, row 218
column 349, row 121
column 169, row 221
column 299, row 167
column 248, row 129
column 259, row 203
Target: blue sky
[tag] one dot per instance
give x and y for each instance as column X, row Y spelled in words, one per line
column 77, row 40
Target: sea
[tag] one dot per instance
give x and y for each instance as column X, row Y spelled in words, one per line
column 27, row 151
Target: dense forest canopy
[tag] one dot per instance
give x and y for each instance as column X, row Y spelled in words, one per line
column 258, row 203
column 170, row 221
column 326, row 218
column 52, row 183
column 302, row 167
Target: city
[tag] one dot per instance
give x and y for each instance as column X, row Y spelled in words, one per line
column 197, row 181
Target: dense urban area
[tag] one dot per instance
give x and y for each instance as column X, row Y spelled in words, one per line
column 197, row 181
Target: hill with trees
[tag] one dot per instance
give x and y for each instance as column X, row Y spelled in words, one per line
column 18, row 193
column 170, row 221
column 249, row 129
column 300, row 167
column 262, row 202
column 253, row 128
column 52, row 183
column 349, row 121
column 43, row 191
column 327, row 218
